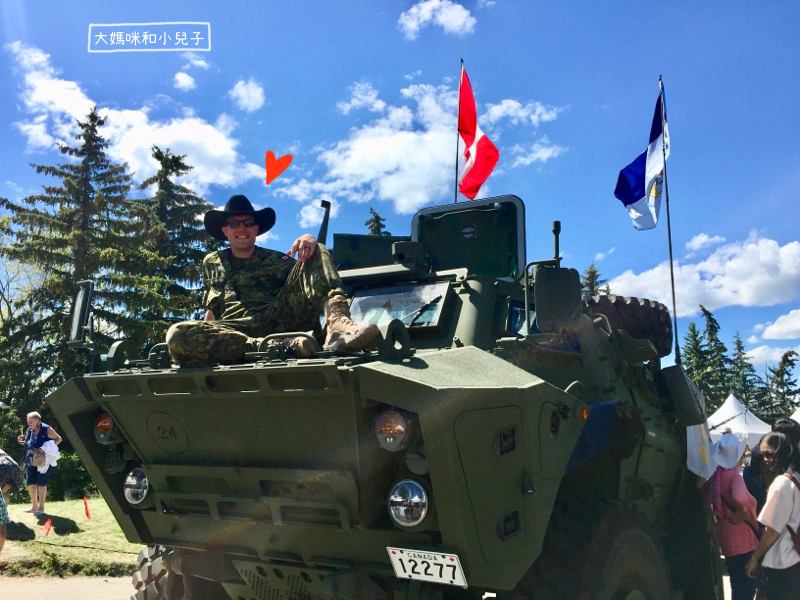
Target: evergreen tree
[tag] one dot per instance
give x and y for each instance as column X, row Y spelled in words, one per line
column 745, row 383
column 592, row 282
column 783, row 389
column 168, row 260
column 66, row 232
column 716, row 375
column 375, row 224
column 693, row 356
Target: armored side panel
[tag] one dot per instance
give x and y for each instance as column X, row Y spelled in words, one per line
column 351, row 251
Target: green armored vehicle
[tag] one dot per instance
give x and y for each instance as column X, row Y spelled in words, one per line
column 506, row 436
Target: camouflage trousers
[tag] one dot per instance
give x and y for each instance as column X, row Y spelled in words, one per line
column 297, row 307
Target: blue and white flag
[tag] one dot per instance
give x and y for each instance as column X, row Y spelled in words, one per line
column 639, row 184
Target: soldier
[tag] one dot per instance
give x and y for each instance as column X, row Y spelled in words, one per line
column 251, row 292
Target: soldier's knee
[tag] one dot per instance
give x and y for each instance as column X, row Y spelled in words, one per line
column 178, row 333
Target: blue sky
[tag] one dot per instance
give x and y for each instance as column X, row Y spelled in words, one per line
column 363, row 94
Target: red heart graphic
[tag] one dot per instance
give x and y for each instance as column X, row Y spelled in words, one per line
column 276, row 166
column 393, row 552
column 452, row 559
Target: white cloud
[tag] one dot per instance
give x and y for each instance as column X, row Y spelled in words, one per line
column 786, row 327
column 269, row 236
column 411, row 76
column 362, row 95
column 759, row 328
column 247, row 96
column 485, row 4
column 702, row 240
column 533, row 112
column 194, row 61
column 764, row 355
column 601, row 255
column 404, row 155
column 753, row 339
column 312, row 214
column 755, row 272
column 451, row 16
column 542, row 150
column 184, row 81
column 54, row 104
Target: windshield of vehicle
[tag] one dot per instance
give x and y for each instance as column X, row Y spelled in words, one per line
column 417, row 305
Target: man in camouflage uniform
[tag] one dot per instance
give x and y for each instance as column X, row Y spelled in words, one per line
column 252, row 292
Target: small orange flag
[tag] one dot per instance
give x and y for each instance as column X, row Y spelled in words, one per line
column 47, row 527
column 86, row 505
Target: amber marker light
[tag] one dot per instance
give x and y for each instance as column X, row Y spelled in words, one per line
column 392, row 430
column 584, row 413
column 103, row 427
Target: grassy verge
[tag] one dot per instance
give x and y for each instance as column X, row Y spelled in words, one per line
column 75, row 545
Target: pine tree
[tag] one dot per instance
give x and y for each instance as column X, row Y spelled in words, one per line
column 375, row 224
column 783, row 389
column 744, row 381
column 67, row 233
column 592, row 282
column 169, row 255
column 716, row 376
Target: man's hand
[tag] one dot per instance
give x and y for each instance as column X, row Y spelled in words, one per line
column 304, row 247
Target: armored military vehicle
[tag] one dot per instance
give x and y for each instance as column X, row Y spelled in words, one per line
column 506, row 436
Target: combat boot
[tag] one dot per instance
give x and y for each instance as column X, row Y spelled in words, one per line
column 342, row 333
column 297, row 347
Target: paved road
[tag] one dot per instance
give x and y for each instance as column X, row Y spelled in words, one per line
column 72, row 588
column 83, row 588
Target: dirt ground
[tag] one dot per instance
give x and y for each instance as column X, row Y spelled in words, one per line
column 81, row 588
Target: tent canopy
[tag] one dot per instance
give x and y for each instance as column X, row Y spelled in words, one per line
column 741, row 421
column 796, row 415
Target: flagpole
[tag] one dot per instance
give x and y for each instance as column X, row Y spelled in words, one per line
column 458, row 134
column 669, row 228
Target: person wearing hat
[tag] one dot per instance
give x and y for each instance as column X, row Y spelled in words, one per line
column 252, row 292
column 735, row 510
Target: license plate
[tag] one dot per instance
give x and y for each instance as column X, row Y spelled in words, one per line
column 427, row 566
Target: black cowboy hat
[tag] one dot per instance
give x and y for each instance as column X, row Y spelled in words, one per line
column 238, row 205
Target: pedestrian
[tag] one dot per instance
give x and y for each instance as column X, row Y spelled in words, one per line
column 791, row 428
column 776, row 551
column 4, row 518
column 753, row 478
column 37, row 435
column 735, row 509
column 10, row 475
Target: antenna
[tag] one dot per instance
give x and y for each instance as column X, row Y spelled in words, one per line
column 323, row 228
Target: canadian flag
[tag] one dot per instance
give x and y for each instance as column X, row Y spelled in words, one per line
column 480, row 154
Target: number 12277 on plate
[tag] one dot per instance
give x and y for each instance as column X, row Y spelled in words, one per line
column 427, row 566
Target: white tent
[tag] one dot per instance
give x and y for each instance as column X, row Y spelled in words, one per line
column 741, row 421
column 796, row 415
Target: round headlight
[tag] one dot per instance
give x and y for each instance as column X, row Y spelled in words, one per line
column 136, row 487
column 392, row 430
column 408, row 503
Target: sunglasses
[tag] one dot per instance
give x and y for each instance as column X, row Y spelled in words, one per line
column 767, row 454
column 234, row 223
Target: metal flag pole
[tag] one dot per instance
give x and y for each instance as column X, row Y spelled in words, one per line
column 458, row 133
column 669, row 228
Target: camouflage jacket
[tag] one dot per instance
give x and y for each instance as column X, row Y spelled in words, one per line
column 236, row 288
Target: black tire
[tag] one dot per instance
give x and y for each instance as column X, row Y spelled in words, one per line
column 642, row 319
column 152, row 581
column 597, row 550
column 693, row 549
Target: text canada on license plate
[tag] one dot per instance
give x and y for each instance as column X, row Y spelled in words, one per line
column 427, row 566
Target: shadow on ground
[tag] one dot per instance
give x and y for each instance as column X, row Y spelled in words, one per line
column 19, row 532
column 59, row 525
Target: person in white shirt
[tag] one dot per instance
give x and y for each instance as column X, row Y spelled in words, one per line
column 776, row 551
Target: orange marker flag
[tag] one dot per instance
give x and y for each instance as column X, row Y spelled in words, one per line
column 86, row 505
column 47, row 527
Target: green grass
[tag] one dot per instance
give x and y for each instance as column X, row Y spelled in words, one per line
column 75, row 545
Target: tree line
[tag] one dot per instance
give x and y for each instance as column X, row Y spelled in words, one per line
column 144, row 255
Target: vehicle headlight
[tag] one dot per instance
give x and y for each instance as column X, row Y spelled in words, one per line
column 392, row 429
column 408, row 503
column 136, row 487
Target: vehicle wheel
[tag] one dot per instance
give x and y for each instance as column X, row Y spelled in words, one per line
column 693, row 550
column 642, row 319
column 597, row 550
column 151, row 581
